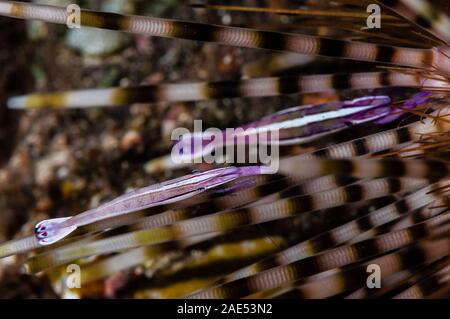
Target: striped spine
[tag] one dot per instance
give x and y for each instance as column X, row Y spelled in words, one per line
column 428, row 286
column 341, row 234
column 258, row 87
column 365, row 168
column 422, row 13
column 338, row 257
column 227, row 220
column 234, row 36
column 124, row 261
column 340, row 280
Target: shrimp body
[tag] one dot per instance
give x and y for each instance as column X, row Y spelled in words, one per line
column 53, row 230
column 294, row 125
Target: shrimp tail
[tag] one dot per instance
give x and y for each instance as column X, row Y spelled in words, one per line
column 51, row 230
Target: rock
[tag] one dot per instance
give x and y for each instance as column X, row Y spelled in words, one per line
column 95, row 42
column 46, row 168
column 130, row 139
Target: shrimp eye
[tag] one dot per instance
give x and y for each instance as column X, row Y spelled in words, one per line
column 41, row 235
column 40, row 228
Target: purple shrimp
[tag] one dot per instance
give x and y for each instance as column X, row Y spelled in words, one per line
column 53, row 230
column 294, row 125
